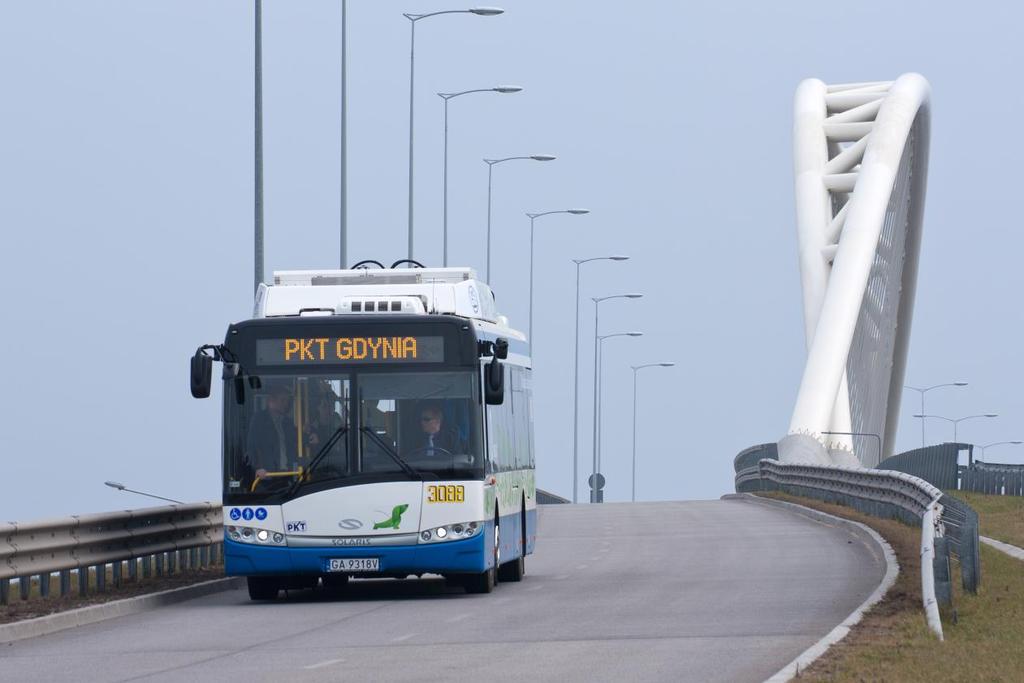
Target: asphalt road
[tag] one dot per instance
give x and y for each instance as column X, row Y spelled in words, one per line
column 688, row 591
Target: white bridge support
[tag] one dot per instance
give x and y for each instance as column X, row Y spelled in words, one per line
column 861, row 162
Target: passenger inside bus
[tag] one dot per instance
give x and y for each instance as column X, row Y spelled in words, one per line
column 272, row 439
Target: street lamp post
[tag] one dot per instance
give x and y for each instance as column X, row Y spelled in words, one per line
column 343, row 249
column 598, row 366
column 258, row 148
column 413, row 18
column 636, row 369
column 504, row 89
column 576, row 376
column 121, row 487
column 925, row 390
column 533, row 217
column 490, row 176
column 956, row 421
column 862, row 434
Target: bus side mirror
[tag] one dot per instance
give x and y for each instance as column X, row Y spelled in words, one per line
column 501, row 348
column 201, row 368
column 494, row 383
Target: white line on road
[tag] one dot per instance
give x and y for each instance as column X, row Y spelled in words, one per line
column 399, row 639
column 320, row 665
column 458, row 617
column 582, row 566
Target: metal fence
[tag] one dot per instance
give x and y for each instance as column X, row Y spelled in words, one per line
column 937, row 465
column 993, row 478
column 148, row 541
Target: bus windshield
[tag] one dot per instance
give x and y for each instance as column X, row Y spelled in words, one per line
column 287, row 435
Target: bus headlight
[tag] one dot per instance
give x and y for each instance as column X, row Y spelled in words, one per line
column 244, row 534
column 450, row 532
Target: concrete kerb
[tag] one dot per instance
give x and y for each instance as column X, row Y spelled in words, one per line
column 60, row 621
column 1011, row 550
column 892, row 570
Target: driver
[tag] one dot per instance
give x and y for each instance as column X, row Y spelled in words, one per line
column 434, row 439
column 272, row 440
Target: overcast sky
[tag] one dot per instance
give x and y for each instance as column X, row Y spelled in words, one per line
column 126, row 213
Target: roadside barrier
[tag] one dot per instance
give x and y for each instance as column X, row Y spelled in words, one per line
column 153, row 541
column 947, row 525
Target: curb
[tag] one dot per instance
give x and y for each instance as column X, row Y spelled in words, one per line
column 1011, row 550
column 60, row 621
column 808, row 656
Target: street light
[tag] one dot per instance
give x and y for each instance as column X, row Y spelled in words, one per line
column 576, row 375
column 490, row 174
column 503, row 89
column 956, row 421
column 636, row 369
column 258, row 148
column 121, row 487
column 924, row 390
column 996, row 443
column 598, row 366
column 413, row 18
column 533, row 217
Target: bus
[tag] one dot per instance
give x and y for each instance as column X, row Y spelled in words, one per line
column 377, row 423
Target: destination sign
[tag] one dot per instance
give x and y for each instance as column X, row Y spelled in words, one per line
column 316, row 350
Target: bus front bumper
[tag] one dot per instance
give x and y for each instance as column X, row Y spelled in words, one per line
column 455, row 557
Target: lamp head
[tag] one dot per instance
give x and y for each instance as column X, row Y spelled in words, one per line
column 486, row 11
column 115, row 485
column 578, row 212
column 666, row 365
column 634, row 296
column 618, row 258
column 542, row 157
column 507, row 88
column 634, row 334
column 991, row 415
column 959, row 384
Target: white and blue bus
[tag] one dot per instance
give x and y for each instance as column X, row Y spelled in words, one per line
column 377, row 423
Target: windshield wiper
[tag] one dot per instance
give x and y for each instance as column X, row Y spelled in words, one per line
column 324, row 450
column 391, row 453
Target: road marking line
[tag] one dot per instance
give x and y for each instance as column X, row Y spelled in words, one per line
column 458, row 617
column 399, row 639
column 582, row 566
column 320, row 665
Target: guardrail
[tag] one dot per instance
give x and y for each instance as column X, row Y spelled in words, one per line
column 151, row 540
column 946, row 524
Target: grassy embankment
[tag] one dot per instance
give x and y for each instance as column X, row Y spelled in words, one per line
column 999, row 517
column 983, row 632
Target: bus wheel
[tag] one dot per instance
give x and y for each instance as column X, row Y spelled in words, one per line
column 262, row 587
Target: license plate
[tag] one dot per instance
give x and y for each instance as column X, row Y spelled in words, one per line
column 354, row 564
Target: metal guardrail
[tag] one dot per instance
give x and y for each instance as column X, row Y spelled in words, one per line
column 151, row 540
column 882, row 493
column 993, row 478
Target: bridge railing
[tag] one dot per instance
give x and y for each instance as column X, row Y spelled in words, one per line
column 152, row 540
column 946, row 524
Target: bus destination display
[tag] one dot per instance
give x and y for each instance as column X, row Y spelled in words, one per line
column 315, row 350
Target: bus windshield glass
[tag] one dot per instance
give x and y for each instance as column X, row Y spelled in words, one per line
column 288, row 435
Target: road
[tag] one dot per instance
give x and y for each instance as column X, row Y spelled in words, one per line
column 682, row 591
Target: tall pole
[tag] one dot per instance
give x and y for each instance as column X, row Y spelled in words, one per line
column 412, row 100
column 597, row 393
column 490, row 177
column 258, row 107
column 576, row 396
column 530, row 323
column 445, row 240
column 633, row 478
column 922, row 420
column 343, row 250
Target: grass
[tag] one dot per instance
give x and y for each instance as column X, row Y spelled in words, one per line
column 892, row 642
column 999, row 517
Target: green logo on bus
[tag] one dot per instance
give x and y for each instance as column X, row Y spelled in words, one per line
column 394, row 520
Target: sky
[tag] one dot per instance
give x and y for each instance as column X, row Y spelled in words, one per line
column 126, row 166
